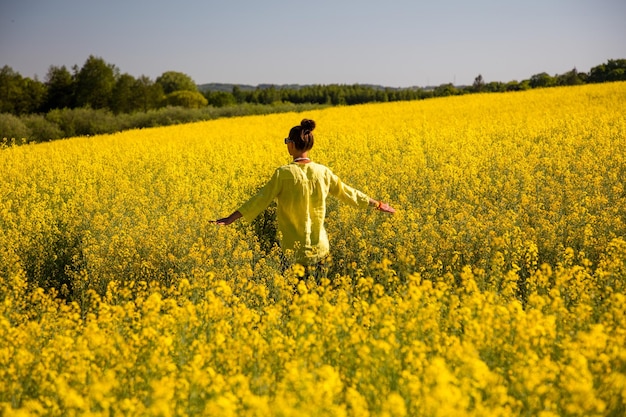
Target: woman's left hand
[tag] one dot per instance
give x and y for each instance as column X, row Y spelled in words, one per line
column 386, row 208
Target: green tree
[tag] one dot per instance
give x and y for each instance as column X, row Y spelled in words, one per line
column 572, row 77
column 220, row 98
column 336, row 95
column 613, row 70
column 147, row 94
column 238, row 94
column 94, row 83
column 479, row 84
column 542, row 80
column 19, row 95
column 122, row 100
column 445, row 90
column 33, row 96
column 60, row 89
column 268, row 95
column 172, row 81
column 187, row 99
column 512, row 86
column 10, row 89
column 495, row 87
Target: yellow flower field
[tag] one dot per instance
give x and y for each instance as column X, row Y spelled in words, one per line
column 497, row 289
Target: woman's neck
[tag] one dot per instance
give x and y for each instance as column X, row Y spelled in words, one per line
column 301, row 157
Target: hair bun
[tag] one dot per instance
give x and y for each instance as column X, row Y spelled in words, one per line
column 307, row 124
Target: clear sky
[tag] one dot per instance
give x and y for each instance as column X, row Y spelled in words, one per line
column 396, row 43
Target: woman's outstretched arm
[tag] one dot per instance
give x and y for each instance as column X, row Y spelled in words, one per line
column 256, row 204
column 355, row 197
column 228, row 220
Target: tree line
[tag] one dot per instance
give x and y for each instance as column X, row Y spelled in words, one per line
column 98, row 98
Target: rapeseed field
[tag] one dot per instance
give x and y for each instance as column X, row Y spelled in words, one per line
column 497, row 288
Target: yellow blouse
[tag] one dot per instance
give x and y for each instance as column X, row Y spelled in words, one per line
column 300, row 191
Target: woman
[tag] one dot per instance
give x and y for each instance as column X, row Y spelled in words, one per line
column 300, row 189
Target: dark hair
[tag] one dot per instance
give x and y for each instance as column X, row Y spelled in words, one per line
column 302, row 136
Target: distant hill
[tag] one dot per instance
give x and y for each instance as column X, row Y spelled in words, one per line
column 224, row 87
column 246, row 87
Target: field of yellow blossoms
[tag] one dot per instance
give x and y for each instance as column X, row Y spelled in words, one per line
column 497, row 289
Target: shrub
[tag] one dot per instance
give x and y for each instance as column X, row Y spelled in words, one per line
column 186, row 99
column 42, row 130
column 83, row 121
column 12, row 127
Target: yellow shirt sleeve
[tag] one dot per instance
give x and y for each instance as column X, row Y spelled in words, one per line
column 262, row 199
column 347, row 194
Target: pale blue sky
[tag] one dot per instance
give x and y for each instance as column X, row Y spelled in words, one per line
column 396, row 43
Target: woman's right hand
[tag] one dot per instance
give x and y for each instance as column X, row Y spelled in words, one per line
column 227, row 220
